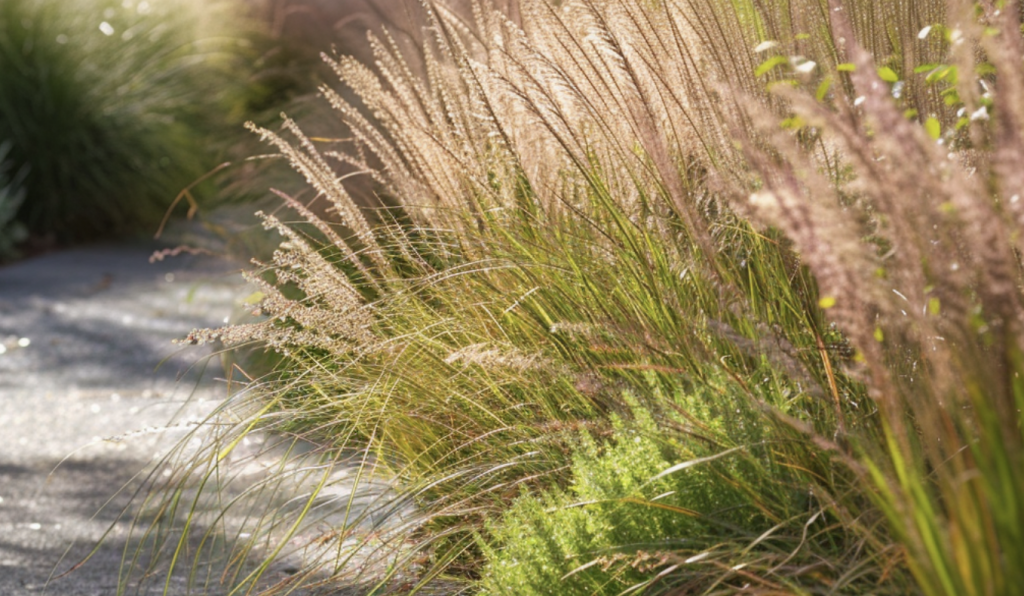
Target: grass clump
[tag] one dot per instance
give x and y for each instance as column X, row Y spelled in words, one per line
column 11, row 196
column 114, row 107
column 749, row 254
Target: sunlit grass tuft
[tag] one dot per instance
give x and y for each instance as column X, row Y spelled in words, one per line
column 679, row 296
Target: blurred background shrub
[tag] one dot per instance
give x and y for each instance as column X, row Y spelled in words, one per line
column 114, row 107
column 11, row 197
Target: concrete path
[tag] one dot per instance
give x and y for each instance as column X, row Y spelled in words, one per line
column 85, row 356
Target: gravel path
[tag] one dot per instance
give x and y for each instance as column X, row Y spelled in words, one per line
column 85, row 355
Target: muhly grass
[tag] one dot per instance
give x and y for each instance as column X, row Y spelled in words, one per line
column 657, row 297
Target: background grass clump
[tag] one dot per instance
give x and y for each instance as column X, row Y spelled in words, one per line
column 677, row 296
column 115, row 107
column 11, row 196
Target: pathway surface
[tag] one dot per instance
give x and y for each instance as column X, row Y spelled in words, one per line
column 86, row 354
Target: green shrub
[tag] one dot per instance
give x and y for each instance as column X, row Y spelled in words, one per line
column 622, row 519
column 115, row 106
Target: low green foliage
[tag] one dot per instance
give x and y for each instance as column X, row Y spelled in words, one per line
column 703, row 497
column 622, row 519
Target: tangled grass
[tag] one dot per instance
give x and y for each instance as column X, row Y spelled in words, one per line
column 659, row 297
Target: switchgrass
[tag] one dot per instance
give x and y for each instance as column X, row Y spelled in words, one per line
column 657, row 297
column 115, row 107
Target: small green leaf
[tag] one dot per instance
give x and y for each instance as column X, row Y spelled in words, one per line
column 937, row 74
column 933, row 306
column 910, row 114
column 783, row 83
column 888, row 75
column 769, row 64
column 927, row 68
column 943, row 73
column 823, row 89
column 254, row 298
column 879, row 336
column 802, row 36
column 846, row 67
column 933, row 128
column 827, row 302
column 962, row 123
column 794, row 123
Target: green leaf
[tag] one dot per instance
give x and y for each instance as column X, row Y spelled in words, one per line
column 910, row 114
column 794, row 123
column 933, row 128
column 846, row 67
column 879, row 336
column 783, row 82
column 802, row 36
column 769, row 64
column 933, row 306
column 823, row 89
column 927, row 68
column 827, row 302
column 942, row 73
column 888, row 75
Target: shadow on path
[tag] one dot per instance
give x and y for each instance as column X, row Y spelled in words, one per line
column 86, row 354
